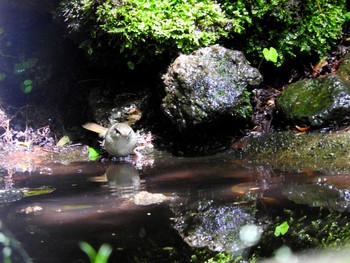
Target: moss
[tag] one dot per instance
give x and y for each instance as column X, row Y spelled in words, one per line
column 306, row 98
column 308, row 229
column 344, row 69
column 142, row 30
column 244, row 108
column 316, row 102
column 314, row 151
column 292, row 27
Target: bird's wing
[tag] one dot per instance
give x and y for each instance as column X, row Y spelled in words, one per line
column 96, row 128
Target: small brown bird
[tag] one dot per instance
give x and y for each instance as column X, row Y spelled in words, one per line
column 119, row 140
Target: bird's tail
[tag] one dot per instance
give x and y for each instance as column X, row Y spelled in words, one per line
column 91, row 126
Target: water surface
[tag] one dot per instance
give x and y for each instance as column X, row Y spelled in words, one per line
column 207, row 201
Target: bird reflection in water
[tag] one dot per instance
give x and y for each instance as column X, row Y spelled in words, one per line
column 122, row 178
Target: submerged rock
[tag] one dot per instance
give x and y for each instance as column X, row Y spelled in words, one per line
column 209, row 84
column 319, row 102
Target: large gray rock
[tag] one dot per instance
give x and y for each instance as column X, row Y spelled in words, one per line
column 319, row 102
column 208, row 84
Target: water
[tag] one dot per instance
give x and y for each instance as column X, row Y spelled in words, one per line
column 205, row 202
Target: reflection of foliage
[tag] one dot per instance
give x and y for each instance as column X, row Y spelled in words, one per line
column 202, row 255
column 8, row 43
column 312, row 228
column 2, row 76
column 11, row 248
column 27, row 86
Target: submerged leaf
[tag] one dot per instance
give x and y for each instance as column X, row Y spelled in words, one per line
column 38, row 191
column 63, row 141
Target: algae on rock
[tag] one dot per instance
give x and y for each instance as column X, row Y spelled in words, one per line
column 318, row 102
column 329, row 152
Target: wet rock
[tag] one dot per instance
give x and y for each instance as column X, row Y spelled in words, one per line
column 146, row 198
column 10, row 195
column 311, row 151
column 109, row 106
column 344, row 69
column 218, row 227
column 319, row 102
column 207, row 85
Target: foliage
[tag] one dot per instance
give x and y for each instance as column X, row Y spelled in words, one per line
column 244, row 109
column 281, row 229
column 93, row 153
column 27, row 86
column 101, row 256
column 146, row 28
column 10, row 248
column 2, row 76
column 207, row 256
column 142, row 29
column 24, row 65
column 292, row 27
column 270, row 54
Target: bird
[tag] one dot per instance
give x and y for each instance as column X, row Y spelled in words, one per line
column 119, row 140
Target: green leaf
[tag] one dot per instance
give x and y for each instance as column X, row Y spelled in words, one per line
column 96, row 257
column 28, row 82
column 28, row 89
column 281, row 229
column 131, row 65
column 103, row 253
column 2, row 76
column 93, row 153
column 39, row 191
column 270, row 54
column 89, row 251
column 64, row 141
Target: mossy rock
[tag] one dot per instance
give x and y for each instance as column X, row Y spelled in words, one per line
column 317, row 102
column 329, row 152
column 344, row 69
column 209, row 84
